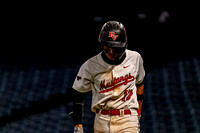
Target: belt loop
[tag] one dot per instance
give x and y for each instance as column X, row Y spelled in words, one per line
column 99, row 113
column 109, row 112
column 121, row 113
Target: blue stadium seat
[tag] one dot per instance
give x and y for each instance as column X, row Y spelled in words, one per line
column 171, row 100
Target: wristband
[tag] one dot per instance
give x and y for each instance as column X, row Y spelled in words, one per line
column 77, row 113
column 140, row 97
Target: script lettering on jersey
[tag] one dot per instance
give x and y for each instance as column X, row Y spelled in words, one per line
column 118, row 81
column 112, row 34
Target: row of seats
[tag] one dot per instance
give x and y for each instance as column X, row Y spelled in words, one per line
column 171, row 102
column 172, row 97
column 19, row 87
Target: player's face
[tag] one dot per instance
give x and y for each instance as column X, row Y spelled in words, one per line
column 113, row 53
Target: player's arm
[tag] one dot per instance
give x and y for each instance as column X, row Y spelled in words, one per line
column 140, row 85
column 77, row 98
column 140, row 96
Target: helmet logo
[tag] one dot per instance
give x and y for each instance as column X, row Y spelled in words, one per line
column 112, row 34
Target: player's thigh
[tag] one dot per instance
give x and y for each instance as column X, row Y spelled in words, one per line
column 127, row 124
column 105, row 124
column 101, row 124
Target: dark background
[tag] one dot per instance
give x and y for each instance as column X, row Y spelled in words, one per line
column 50, row 33
column 43, row 45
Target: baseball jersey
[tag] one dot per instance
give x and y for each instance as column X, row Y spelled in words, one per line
column 113, row 86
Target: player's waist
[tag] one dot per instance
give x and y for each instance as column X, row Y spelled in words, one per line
column 120, row 112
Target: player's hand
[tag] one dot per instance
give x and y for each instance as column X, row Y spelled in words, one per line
column 78, row 128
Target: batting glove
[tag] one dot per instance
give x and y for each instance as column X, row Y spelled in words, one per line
column 78, row 129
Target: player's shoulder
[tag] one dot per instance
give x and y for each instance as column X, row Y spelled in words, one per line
column 94, row 59
column 132, row 53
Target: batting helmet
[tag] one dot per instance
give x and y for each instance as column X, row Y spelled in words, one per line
column 113, row 34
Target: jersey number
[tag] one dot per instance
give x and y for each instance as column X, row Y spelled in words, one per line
column 127, row 95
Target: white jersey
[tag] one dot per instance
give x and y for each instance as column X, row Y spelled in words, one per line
column 113, row 86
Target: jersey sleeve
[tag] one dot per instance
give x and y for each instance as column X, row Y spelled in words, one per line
column 141, row 71
column 83, row 80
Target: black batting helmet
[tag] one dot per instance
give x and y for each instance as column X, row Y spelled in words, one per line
column 113, row 34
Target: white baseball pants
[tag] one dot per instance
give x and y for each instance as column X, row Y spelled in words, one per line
column 116, row 123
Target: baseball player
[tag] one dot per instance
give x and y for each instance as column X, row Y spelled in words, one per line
column 116, row 78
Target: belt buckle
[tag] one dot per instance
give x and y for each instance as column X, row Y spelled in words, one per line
column 121, row 112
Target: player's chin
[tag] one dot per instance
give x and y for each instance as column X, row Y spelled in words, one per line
column 113, row 58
